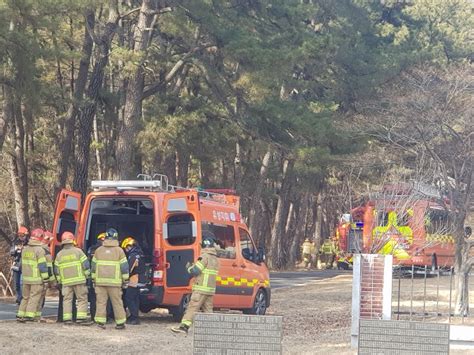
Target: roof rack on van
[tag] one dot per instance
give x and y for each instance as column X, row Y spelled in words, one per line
column 159, row 182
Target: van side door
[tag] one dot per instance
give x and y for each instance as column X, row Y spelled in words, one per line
column 180, row 237
column 66, row 216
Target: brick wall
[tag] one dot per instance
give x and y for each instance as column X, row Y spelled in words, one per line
column 371, row 287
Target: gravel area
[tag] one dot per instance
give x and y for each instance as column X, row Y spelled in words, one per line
column 316, row 321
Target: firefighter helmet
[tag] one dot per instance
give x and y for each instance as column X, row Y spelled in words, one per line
column 101, row 236
column 67, row 238
column 22, row 230
column 112, row 234
column 127, row 242
column 37, row 234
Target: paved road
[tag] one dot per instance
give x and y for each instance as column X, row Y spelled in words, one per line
column 277, row 280
column 299, row 278
column 8, row 310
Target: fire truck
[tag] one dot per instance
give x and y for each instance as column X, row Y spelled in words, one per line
column 410, row 221
column 168, row 221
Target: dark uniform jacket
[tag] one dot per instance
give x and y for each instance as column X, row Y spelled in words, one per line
column 136, row 264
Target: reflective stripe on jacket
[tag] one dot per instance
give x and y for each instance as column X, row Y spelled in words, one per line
column 109, row 265
column 33, row 261
column 71, row 266
column 205, row 271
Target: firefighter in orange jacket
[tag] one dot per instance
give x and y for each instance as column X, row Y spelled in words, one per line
column 205, row 271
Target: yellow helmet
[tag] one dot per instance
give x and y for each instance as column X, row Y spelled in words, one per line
column 101, row 236
column 129, row 241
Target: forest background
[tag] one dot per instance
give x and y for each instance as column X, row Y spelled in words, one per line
column 303, row 106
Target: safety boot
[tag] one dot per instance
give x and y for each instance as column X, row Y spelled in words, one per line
column 101, row 325
column 120, row 326
column 84, row 322
column 183, row 329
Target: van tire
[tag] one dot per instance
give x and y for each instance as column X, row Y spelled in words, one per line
column 178, row 311
column 259, row 304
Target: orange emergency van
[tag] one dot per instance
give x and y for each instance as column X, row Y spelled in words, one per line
column 167, row 221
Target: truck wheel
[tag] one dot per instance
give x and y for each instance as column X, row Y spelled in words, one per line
column 259, row 304
column 178, row 311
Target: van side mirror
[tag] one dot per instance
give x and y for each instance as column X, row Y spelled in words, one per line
column 260, row 255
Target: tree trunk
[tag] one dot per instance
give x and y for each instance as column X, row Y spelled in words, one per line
column 134, row 94
column 182, row 166
column 237, row 168
column 97, row 150
column 89, row 109
column 461, row 267
column 17, row 163
column 73, row 110
column 277, row 255
column 255, row 211
column 299, row 235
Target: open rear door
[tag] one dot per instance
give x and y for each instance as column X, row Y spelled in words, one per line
column 180, row 234
column 66, row 216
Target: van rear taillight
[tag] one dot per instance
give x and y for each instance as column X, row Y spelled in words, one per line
column 158, row 265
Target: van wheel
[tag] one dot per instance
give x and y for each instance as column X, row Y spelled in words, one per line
column 178, row 311
column 259, row 304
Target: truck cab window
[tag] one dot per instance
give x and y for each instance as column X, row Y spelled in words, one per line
column 180, row 229
column 224, row 238
column 247, row 246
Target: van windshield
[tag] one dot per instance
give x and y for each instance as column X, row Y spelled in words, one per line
column 131, row 217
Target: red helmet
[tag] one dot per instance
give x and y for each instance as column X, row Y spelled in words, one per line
column 22, row 230
column 37, row 234
column 67, row 238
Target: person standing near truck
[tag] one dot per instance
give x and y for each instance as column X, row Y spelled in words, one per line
column 90, row 287
column 47, row 237
column 72, row 269
column 204, row 271
column 20, row 241
column 35, row 276
column 136, row 265
column 110, row 275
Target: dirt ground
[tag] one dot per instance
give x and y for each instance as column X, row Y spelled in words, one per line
column 316, row 321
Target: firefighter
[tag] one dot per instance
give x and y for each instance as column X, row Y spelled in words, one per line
column 35, row 276
column 328, row 250
column 90, row 287
column 306, row 251
column 136, row 265
column 204, row 271
column 109, row 275
column 72, row 269
column 20, row 241
column 47, row 237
